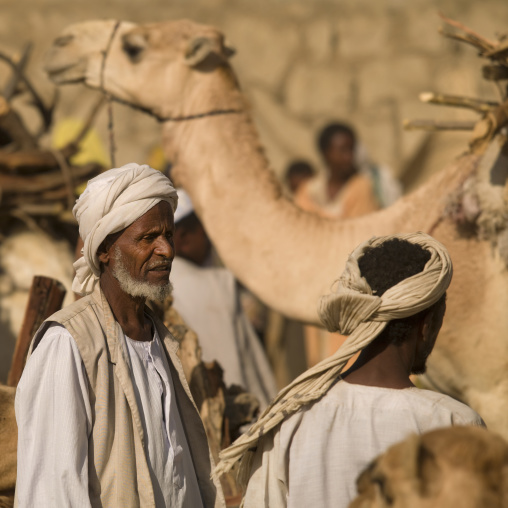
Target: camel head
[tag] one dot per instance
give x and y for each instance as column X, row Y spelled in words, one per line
column 455, row 466
column 155, row 67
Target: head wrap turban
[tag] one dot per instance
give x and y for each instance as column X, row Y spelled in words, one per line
column 352, row 310
column 111, row 202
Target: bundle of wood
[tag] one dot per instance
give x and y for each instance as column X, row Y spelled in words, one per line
column 36, row 182
column 494, row 114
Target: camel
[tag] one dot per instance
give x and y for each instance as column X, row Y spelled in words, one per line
column 179, row 72
column 456, row 466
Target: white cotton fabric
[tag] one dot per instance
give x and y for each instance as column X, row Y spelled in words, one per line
column 207, row 299
column 111, row 202
column 355, row 311
column 298, row 467
column 173, row 477
column 52, row 400
column 185, row 206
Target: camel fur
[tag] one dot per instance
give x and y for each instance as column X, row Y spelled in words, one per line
column 456, row 466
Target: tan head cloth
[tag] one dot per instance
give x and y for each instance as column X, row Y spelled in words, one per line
column 352, row 310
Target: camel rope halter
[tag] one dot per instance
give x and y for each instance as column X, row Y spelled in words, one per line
column 159, row 118
column 355, row 311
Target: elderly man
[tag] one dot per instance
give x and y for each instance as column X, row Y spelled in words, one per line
column 323, row 429
column 104, row 412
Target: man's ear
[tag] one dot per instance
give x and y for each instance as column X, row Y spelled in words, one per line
column 426, row 323
column 103, row 253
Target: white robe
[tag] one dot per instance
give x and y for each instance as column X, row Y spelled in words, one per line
column 314, row 457
column 54, row 420
column 207, row 299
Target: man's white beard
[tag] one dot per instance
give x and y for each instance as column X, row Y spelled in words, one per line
column 135, row 287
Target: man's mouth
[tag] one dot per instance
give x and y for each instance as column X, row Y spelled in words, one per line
column 159, row 266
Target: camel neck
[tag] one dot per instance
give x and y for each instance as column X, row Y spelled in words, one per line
column 268, row 243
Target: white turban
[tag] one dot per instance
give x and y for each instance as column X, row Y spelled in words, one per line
column 185, row 206
column 111, row 202
column 355, row 311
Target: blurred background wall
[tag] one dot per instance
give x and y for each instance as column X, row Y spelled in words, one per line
column 301, row 63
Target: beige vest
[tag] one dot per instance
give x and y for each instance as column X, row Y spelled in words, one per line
column 117, row 463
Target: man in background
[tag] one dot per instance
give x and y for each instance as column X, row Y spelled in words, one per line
column 297, row 174
column 352, row 185
column 207, row 298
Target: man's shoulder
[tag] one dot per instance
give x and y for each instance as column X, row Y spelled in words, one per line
column 79, row 307
column 79, row 316
column 441, row 407
column 460, row 413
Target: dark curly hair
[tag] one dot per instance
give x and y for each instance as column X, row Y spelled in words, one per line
column 327, row 133
column 299, row 168
column 385, row 266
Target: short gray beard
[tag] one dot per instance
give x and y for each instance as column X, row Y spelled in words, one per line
column 135, row 287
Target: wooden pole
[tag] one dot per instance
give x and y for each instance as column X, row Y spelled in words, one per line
column 45, row 298
column 438, row 125
column 461, row 102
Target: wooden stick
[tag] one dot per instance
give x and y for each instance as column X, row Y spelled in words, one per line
column 467, row 39
column 12, row 123
column 12, row 84
column 468, row 31
column 37, row 209
column 501, row 51
column 17, row 184
column 438, row 125
column 479, row 105
column 15, row 200
column 46, row 113
column 46, row 297
column 27, row 161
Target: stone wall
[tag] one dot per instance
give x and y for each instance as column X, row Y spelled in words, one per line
column 302, row 63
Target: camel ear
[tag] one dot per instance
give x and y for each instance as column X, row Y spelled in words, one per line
column 134, row 44
column 229, row 50
column 201, row 49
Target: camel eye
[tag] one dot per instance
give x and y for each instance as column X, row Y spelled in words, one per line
column 133, row 52
column 63, row 40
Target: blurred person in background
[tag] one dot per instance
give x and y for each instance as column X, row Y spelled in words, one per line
column 298, row 173
column 207, row 297
column 352, row 185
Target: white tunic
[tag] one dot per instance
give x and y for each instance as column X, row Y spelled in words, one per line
column 55, row 419
column 208, row 301
column 317, row 453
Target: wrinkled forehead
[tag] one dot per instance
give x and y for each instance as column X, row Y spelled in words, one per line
column 157, row 220
column 159, row 217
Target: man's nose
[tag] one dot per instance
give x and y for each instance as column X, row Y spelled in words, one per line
column 164, row 247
